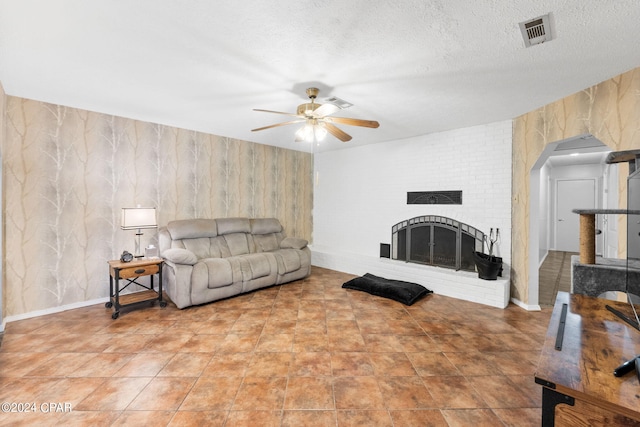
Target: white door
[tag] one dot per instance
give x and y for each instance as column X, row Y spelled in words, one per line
column 572, row 194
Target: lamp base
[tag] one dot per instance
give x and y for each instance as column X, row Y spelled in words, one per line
column 137, row 253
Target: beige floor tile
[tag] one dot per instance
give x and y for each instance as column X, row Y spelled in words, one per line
column 405, row 393
column 418, row 417
column 309, row 393
column 318, row 418
column 357, row 393
column 471, row 417
column 162, row 394
column 453, row 392
column 198, row 418
column 369, row 418
column 186, row 365
column 227, row 365
column 250, row 418
column 351, row 364
column 141, row 418
column 212, row 394
column 114, row 394
column 269, row 365
column 260, row 393
column 314, row 364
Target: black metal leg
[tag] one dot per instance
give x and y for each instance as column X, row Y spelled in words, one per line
column 109, row 303
column 117, row 291
column 551, row 399
column 162, row 303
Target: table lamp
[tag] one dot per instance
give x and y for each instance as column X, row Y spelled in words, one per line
column 136, row 219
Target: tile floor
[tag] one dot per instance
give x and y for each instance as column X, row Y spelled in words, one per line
column 307, row 353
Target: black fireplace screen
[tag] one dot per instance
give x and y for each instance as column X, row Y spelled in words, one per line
column 436, row 240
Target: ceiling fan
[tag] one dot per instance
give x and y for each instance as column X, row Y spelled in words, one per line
column 318, row 120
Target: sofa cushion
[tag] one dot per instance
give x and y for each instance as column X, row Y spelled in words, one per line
column 233, row 225
column 192, row 228
column 204, row 247
column 255, row 266
column 237, row 244
column 265, row 226
column 266, row 242
column 293, row 243
column 180, row 256
column 212, row 273
column 288, row 260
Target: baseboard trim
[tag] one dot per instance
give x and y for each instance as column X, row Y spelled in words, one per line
column 525, row 306
column 52, row 310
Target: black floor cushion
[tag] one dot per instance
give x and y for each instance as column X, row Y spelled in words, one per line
column 397, row 290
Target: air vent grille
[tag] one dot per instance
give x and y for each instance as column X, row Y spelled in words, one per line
column 341, row 103
column 434, row 198
column 536, row 31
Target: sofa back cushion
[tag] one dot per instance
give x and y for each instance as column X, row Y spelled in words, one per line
column 204, row 247
column 192, row 228
column 234, row 233
column 266, row 234
column 197, row 235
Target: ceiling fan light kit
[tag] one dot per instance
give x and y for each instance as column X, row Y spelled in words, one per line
column 311, row 132
column 317, row 119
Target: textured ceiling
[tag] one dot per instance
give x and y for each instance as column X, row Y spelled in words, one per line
column 415, row 66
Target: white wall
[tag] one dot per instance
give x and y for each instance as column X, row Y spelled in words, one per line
column 545, row 213
column 361, row 192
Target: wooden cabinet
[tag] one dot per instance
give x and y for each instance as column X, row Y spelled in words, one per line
column 582, row 348
column 129, row 272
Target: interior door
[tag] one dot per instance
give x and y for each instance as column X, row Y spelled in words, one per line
column 571, row 194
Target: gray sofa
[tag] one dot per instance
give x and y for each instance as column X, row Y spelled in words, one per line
column 211, row 259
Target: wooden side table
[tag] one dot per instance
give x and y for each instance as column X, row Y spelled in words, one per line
column 131, row 271
column 585, row 342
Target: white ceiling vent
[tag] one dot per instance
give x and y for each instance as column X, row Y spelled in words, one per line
column 341, row 103
column 536, row 31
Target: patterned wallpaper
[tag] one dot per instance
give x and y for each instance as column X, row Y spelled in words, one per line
column 610, row 111
column 68, row 172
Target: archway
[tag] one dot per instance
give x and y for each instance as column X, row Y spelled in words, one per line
column 589, row 150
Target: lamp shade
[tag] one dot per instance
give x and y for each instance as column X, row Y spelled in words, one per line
column 135, row 218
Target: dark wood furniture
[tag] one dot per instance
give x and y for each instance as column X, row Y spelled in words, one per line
column 130, row 272
column 578, row 385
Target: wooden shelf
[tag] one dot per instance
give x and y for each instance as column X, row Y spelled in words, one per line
column 137, row 297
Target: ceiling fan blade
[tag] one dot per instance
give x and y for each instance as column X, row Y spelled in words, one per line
column 278, row 124
column 325, row 110
column 276, row 112
column 338, row 133
column 353, row 122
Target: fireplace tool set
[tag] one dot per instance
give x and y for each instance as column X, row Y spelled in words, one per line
column 493, row 238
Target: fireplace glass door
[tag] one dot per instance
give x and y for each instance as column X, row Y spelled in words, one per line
column 436, row 240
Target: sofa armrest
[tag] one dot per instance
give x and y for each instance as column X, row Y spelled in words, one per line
column 180, row 256
column 293, row 243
